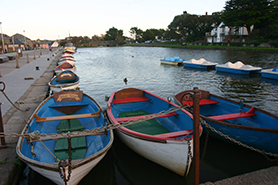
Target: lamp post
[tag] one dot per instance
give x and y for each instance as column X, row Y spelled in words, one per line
column 2, row 38
column 25, row 40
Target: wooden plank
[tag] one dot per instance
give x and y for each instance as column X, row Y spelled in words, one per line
column 41, row 119
column 125, row 119
column 130, row 100
column 202, row 102
column 175, row 134
column 224, row 117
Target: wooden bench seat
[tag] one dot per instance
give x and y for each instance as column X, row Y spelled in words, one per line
column 175, row 134
column 224, row 117
column 201, row 102
column 125, row 119
column 130, row 100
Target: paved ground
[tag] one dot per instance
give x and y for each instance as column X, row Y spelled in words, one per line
column 28, row 86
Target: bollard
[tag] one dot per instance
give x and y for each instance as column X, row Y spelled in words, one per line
column 34, row 55
column 47, row 51
column 40, row 51
column 0, row 74
column 3, row 143
column 17, row 65
column 27, row 58
column 39, row 54
column 196, row 135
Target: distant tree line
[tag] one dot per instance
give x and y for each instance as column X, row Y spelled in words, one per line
column 258, row 16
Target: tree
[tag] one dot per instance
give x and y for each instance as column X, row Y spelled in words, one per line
column 148, row 35
column 247, row 13
column 193, row 27
column 114, row 34
column 136, row 33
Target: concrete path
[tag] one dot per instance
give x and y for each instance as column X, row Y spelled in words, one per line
column 27, row 85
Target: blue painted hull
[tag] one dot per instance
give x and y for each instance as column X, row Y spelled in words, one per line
column 236, row 71
column 271, row 75
column 199, row 66
column 259, row 131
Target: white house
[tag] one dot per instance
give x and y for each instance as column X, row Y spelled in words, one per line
column 219, row 33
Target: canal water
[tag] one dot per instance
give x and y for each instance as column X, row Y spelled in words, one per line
column 102, row 71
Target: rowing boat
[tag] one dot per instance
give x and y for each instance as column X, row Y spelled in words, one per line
column 66, row 80
column 66, row 150
column 165, row 139
column 249, row 125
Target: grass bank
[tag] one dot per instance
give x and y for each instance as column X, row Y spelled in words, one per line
column 198, row 46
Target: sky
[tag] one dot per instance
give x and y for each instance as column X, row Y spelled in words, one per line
column 57, row 19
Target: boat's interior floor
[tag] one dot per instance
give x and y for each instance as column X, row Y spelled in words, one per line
column 78, row 144
column 150, row 127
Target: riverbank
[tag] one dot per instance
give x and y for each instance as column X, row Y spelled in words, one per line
column 211, row 47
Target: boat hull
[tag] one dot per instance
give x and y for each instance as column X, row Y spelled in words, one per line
column 236, row 71
column 269, row 74
column 199, row 66
column 171, row 155
column 171, row 63
column 77, row 174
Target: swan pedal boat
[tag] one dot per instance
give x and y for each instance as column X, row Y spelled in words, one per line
column 238, row 68
column 249, row 125
column 201, row 64
column 166, row 140
column 61, row 113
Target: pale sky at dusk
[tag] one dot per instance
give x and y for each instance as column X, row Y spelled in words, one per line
column 54, row 19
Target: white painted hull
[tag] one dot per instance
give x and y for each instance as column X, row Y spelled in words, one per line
column 61, row 70
column 77, row 174
column 172, row 155
column 72, row 62
column 171, row 63
column 58, row 88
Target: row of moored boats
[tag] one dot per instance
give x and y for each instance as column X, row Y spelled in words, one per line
column 68, row 134
column 229, row 67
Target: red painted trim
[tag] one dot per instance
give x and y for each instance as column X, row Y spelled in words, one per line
column 130, row 100
column 249, row 113
column 202, row 102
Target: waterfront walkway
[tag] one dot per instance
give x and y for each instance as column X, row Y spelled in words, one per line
column 26, row 85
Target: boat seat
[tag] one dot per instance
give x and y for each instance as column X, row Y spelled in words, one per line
column 125, row 119
column 150, row 127
column 201, row 102
column 175, row 134
column 130, row 100
column 69, row 104
column 78, row 144
column 224, row 117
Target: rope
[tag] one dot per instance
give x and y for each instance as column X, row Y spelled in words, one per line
column 2, row 90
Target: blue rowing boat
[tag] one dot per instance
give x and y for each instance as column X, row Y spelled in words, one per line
column 249, row 125
column 166, row 139
column 67, row 148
